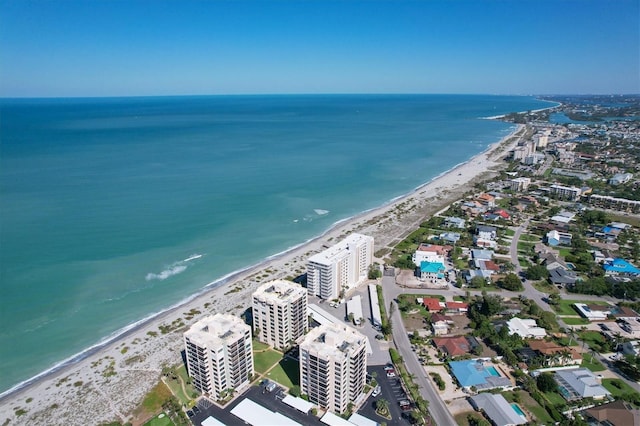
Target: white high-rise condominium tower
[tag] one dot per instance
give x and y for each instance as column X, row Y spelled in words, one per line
column 219, row 354
column 340, row 267
column 333, row 366
column 280, row 313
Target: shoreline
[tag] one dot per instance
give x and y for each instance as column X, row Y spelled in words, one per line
column 226, row 294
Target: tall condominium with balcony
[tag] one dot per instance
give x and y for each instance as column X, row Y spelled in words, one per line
column 333, row 366
column 340, row 267
column 219, row 354
column 280, row 313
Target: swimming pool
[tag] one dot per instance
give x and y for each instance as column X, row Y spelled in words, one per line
column 492, row 370
column 518, row 410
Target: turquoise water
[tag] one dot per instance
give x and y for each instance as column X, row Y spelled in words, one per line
column 115, row 209
column 492, row 370
column 517, row 409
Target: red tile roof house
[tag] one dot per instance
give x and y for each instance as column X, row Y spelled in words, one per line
column 452, row 346
column 457, row 307
column 432, row 304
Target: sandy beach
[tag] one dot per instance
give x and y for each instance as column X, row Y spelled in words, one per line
column 111, row 382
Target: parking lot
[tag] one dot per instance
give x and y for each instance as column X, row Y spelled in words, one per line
column 391, row 390
column 270, row 400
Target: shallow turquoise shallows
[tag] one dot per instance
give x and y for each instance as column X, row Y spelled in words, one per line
column 114, row 209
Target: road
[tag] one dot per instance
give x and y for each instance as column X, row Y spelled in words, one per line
column 439, row 411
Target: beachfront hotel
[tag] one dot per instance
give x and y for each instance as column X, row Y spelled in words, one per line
column 333, row 366
column 280, row 313
column 219, row 354
column 340, row 267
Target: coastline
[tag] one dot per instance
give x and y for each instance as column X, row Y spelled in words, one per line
column 113, row 375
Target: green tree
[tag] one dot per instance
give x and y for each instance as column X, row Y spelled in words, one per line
column 537, row 272
column 546, row 382
column 511, row 282
column 374, row 271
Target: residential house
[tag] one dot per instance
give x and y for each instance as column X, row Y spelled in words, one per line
column 457, row 307
column 497, row 409
column 440, row 324
column 486, row 200
column 486, row 232
column 620, row 267
column 455, row 346
column 631, row 347
column 481, row 254
column 431, row 304
column 431, row 271
column 473, row 208
column 430, row 253
column 562, row 277
column 450, row 237
column 555, row 354
column 487, row 265
column 617, row 413
column 625, row 313
column 579, row 383
column 593, row 312
column 555, row 238
column 525, row 328
column 455, row 222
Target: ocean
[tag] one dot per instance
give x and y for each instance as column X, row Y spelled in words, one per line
column 113, row 209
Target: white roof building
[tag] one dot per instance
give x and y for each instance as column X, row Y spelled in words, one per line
column 280, row 314
column 593, row 313
column 579, row 383
column 497, row 409
column 525, row 328
column 340, row 267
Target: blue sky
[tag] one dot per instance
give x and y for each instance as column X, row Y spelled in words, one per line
column 119, row 48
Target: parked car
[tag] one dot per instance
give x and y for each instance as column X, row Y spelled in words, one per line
column 376, row 391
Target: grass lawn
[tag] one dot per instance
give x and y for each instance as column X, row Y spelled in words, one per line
column 461, row 419
column 555, row 398
column 459, row 298
column 532, row 405
column 545, row 287
column 593, row 338
column 529, row 237
column 509, row 232
column 594, row 365
column 617, row 387
column 574, row 320
column 287, row 373
column 564, row 252
column 565, row 306
column 264, row 360
column 258, row 345
column 524, row 261
column 162, row 421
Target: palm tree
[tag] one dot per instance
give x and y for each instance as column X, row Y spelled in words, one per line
column 382, row 406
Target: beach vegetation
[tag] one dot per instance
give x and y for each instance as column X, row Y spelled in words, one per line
column 20, row 411
column 152, row 333
column 28, row 400
column 133, row 359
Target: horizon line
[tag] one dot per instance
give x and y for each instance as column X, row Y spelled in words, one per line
column 312, row 94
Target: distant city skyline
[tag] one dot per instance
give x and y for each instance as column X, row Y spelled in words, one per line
column 148, row 48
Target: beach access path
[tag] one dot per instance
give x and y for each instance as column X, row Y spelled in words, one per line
column 111, row 382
